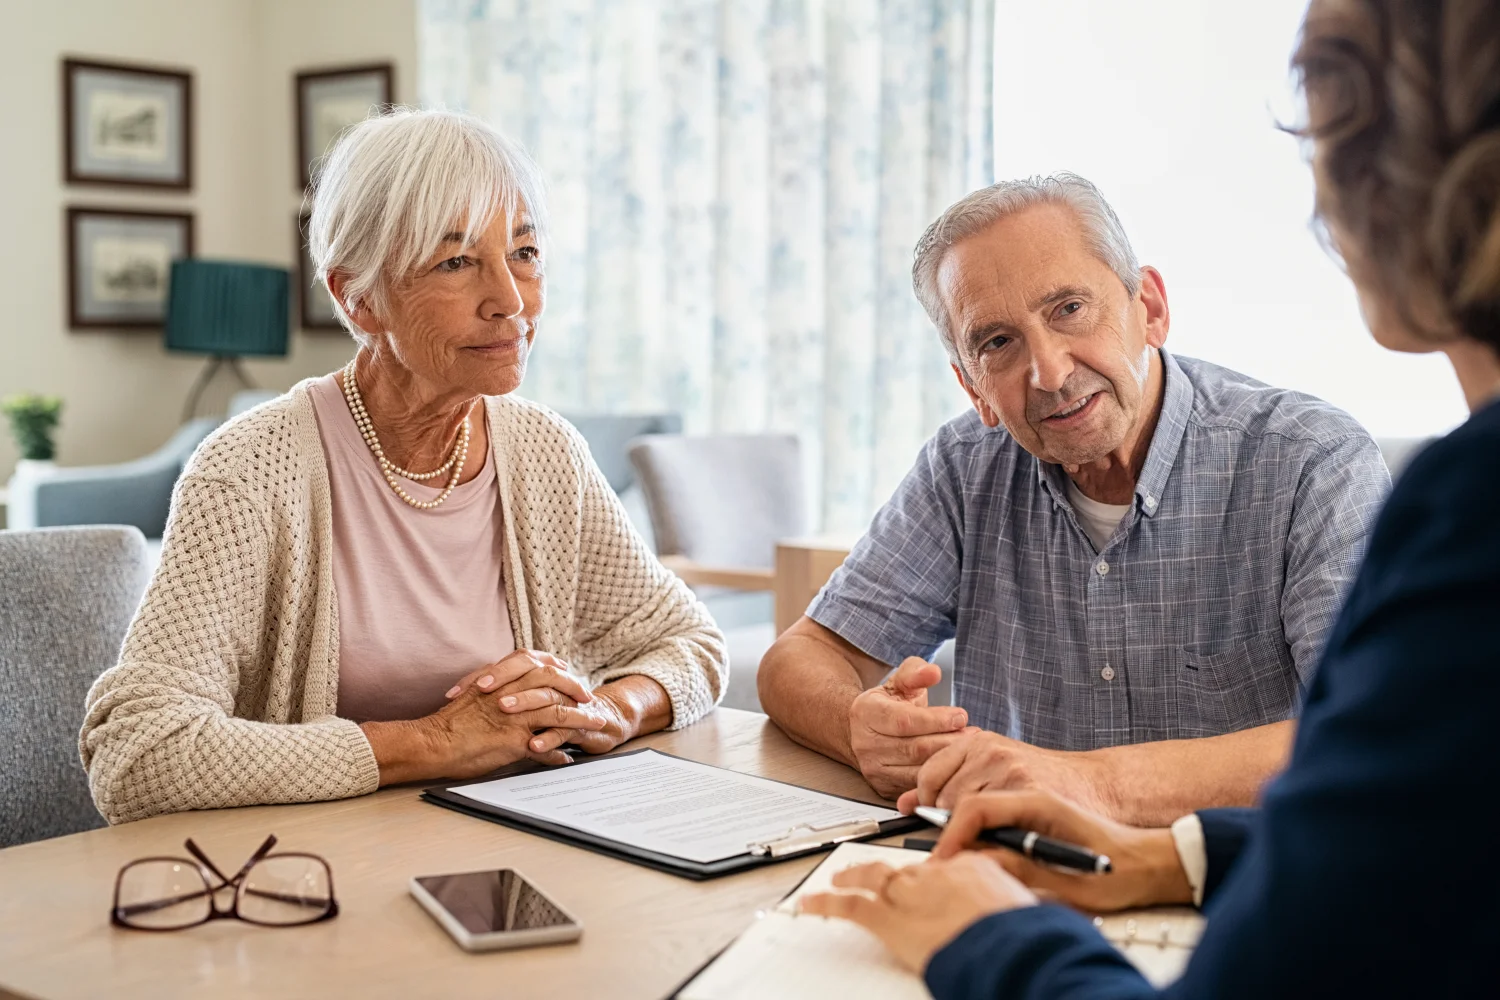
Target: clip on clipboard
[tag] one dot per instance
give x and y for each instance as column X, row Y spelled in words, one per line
column 673, row 814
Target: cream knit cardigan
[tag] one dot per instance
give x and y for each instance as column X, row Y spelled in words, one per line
column 228, row 680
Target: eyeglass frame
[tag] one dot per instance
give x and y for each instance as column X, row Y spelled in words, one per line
column 203, row 866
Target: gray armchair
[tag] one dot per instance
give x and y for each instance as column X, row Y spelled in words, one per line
column 718, row 506
column 66, row 598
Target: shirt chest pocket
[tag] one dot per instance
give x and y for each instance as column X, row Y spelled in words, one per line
column 1223, row 688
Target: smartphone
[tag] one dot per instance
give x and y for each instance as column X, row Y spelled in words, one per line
column 485, row 911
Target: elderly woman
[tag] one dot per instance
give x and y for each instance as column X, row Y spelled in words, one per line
column 398, row 572
column 1366, row 873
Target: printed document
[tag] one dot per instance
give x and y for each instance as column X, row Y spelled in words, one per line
column 654, row 802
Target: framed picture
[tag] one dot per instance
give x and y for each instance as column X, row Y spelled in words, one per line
column 316, row 307
column 119, row 263
column 127, row 125
column 329, row 101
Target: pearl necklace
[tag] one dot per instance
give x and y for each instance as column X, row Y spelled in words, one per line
column 390, row 469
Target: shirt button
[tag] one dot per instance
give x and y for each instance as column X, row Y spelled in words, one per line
column 1108, row 673
column 1102, row 568
column 1150, row 503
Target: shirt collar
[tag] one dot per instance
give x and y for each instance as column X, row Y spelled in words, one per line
column 1166, row 442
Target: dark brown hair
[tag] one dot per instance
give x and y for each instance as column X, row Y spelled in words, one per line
column 1403, row 107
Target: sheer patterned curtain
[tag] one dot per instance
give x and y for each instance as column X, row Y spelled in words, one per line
column 735, row 189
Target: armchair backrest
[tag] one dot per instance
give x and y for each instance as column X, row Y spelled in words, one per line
column 66, row 597
column 722, row 499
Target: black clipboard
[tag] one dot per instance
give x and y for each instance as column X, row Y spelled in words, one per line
column 697, row 870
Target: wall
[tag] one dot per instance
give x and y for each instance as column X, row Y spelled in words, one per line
column 123, row 394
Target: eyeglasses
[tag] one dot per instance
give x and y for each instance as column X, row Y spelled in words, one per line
column 273, row 890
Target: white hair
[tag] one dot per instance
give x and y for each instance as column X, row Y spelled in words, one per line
column 395, row 184
column 981, row 209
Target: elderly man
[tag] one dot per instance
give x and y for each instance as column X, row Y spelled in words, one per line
column 1140, row 555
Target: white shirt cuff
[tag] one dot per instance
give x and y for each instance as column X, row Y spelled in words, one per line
column 1187, row 835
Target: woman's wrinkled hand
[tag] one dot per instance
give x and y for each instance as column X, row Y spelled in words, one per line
column 530, row 680
column 1145, row 867
column 472, row 736
column 544, row 678
column 918, row 909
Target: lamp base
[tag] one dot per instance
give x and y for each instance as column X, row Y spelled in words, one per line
column 230, row 361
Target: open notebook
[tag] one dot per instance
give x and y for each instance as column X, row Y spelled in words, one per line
column 792, row 957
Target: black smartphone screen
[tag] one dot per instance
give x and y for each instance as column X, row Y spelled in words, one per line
column 495, row 901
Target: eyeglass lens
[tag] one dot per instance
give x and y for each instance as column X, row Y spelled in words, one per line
column 286, row 889
column 160, row 895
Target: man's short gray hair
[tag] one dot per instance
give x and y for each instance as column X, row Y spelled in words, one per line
column 981, row 209
column 395, row 184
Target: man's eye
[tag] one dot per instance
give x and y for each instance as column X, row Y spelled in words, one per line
column 995, row 343
column 1069, row 308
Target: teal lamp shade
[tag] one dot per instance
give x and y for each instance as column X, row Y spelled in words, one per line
column 227, row 309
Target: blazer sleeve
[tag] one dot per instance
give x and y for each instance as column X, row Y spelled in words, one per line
column 633, row 615
column 160, row 732
column 1225, row 832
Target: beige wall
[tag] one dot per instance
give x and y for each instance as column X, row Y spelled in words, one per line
column 123, row 394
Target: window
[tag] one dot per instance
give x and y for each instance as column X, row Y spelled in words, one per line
column 1170, row 107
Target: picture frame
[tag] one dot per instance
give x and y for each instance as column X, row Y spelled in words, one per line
column 329, row 101
column 314, row 305
column 127, row 124
column 119, row 262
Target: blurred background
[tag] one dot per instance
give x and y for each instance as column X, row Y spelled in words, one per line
column 735, row 189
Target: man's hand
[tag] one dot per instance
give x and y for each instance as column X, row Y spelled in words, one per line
column 918, row 909
column 1145, row 868
column 892, row 729
column 981, row 761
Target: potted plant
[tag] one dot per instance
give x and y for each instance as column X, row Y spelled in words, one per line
column 32, row 420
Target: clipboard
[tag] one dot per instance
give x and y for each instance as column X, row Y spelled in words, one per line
column 798, row 843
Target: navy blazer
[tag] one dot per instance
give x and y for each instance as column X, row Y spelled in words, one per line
column 1369, row 871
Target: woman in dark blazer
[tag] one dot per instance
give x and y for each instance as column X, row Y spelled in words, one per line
column 1369, row 870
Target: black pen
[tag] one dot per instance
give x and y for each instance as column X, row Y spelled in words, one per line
column 1032, row 844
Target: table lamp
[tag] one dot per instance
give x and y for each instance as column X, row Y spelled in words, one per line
column 226, row 310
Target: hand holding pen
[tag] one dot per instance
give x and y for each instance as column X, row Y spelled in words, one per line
column 1144, row 869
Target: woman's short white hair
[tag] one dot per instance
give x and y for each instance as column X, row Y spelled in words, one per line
column 981, row 209
column 395, row 184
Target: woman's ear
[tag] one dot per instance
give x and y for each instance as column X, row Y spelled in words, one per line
column 362, row 316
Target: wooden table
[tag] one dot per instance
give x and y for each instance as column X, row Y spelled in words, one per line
column 644, row 931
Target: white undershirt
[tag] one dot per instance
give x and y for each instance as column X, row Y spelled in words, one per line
column 1098, row 520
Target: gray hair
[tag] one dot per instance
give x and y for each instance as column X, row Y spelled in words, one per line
column 981, row 209
column 395, row 184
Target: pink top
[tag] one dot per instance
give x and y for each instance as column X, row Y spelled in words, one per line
column 421, row 593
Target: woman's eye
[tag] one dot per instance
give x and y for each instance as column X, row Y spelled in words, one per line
column 529, row 254
column 452, row 264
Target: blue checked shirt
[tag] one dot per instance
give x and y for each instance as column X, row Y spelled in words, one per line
column 1206, row 611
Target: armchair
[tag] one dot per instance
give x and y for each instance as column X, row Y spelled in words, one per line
column 718, row 506
column 137, row 493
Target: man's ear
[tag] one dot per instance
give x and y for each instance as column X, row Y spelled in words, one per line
column 986, row 413
column 1153, row 296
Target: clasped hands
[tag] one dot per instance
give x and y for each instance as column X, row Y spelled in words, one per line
column 536, row 705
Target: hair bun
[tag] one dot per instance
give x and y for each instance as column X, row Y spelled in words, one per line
column 1464, row 232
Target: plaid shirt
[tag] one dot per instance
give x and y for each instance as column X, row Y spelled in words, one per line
column 1205, row 612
